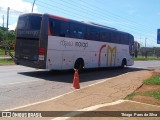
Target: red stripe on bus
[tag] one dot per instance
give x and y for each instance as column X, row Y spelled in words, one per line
column 49, row 31
column 58, row 18
column 99, row 57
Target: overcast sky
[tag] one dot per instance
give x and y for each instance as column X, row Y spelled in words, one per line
column 138, row 17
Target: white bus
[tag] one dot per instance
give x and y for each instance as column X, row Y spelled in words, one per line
column 51, row 42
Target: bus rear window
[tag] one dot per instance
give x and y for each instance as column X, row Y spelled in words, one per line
column 30, row 22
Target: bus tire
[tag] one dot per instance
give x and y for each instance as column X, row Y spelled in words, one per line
column 79, row 64
column 124, row 63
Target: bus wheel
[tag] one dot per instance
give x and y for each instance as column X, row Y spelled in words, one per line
column 79, row 64
column 124, row 62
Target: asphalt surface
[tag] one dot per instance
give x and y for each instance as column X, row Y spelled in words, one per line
column 146, row 64
column 22, row 85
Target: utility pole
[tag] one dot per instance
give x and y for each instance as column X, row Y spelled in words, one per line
column 7, row 31
column 145, row 48
column 3, row 21
column 33, row 5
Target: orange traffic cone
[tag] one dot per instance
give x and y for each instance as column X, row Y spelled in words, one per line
column 76, row 80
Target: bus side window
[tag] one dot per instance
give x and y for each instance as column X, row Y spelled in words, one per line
column 73, row 32
column 80, row 31
column 97, row 34
column 131, row 45
column 112, row 36
column 55, row 27
column 124, row 39
column 117, row 37
column 104, row 36
column 121, row 38
column 65, row 32
column 77, row 30
column 93, row 33
column 108, row 34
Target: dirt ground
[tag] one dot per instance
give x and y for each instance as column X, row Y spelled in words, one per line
column 145, row 88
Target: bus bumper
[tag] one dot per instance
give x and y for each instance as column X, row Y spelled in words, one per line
column 28, row 63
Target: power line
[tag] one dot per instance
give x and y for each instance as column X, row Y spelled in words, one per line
column 113, row 14
column 91, row 14
column 133, row 27
column 100, row 14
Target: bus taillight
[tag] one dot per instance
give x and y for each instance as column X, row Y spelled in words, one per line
column 41, row 51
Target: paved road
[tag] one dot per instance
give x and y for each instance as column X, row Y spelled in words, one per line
column 146, row 64
column 22, row 85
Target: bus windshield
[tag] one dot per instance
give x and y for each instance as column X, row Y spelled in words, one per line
column 31, row 22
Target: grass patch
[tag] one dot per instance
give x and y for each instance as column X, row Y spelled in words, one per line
column 155, row 80
column 3, row 53
column 145, row 59
column 6, row 61
column 155, row 94
column 1, row 50
column 130, row 96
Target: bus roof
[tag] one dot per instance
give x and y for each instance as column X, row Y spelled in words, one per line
column 82, row 22
column 88, row 23
column 31, row 14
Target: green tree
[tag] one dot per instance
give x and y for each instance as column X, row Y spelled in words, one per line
column 2, row 35
column 11, row 37
column 2, row 38
column 157, row 51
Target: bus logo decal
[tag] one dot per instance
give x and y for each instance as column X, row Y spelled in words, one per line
column 66, row 43
column 99, row 57
column 111, row 50
column 81, row 44
column 76, row 44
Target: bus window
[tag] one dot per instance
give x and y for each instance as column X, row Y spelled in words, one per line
column 59, row 28
column 131, row 45
column 77, row 30
column 93, row 33
column 104, row 36
column 121, row 38
column 112, row 37
column 55, row 27
column 29, row 22
column 65, row 32
column 21, row 23
column 124, row 39
column 117, row 37
column 34, row 22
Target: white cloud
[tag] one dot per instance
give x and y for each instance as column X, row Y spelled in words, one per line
column 13, row 26
column 18, row 5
